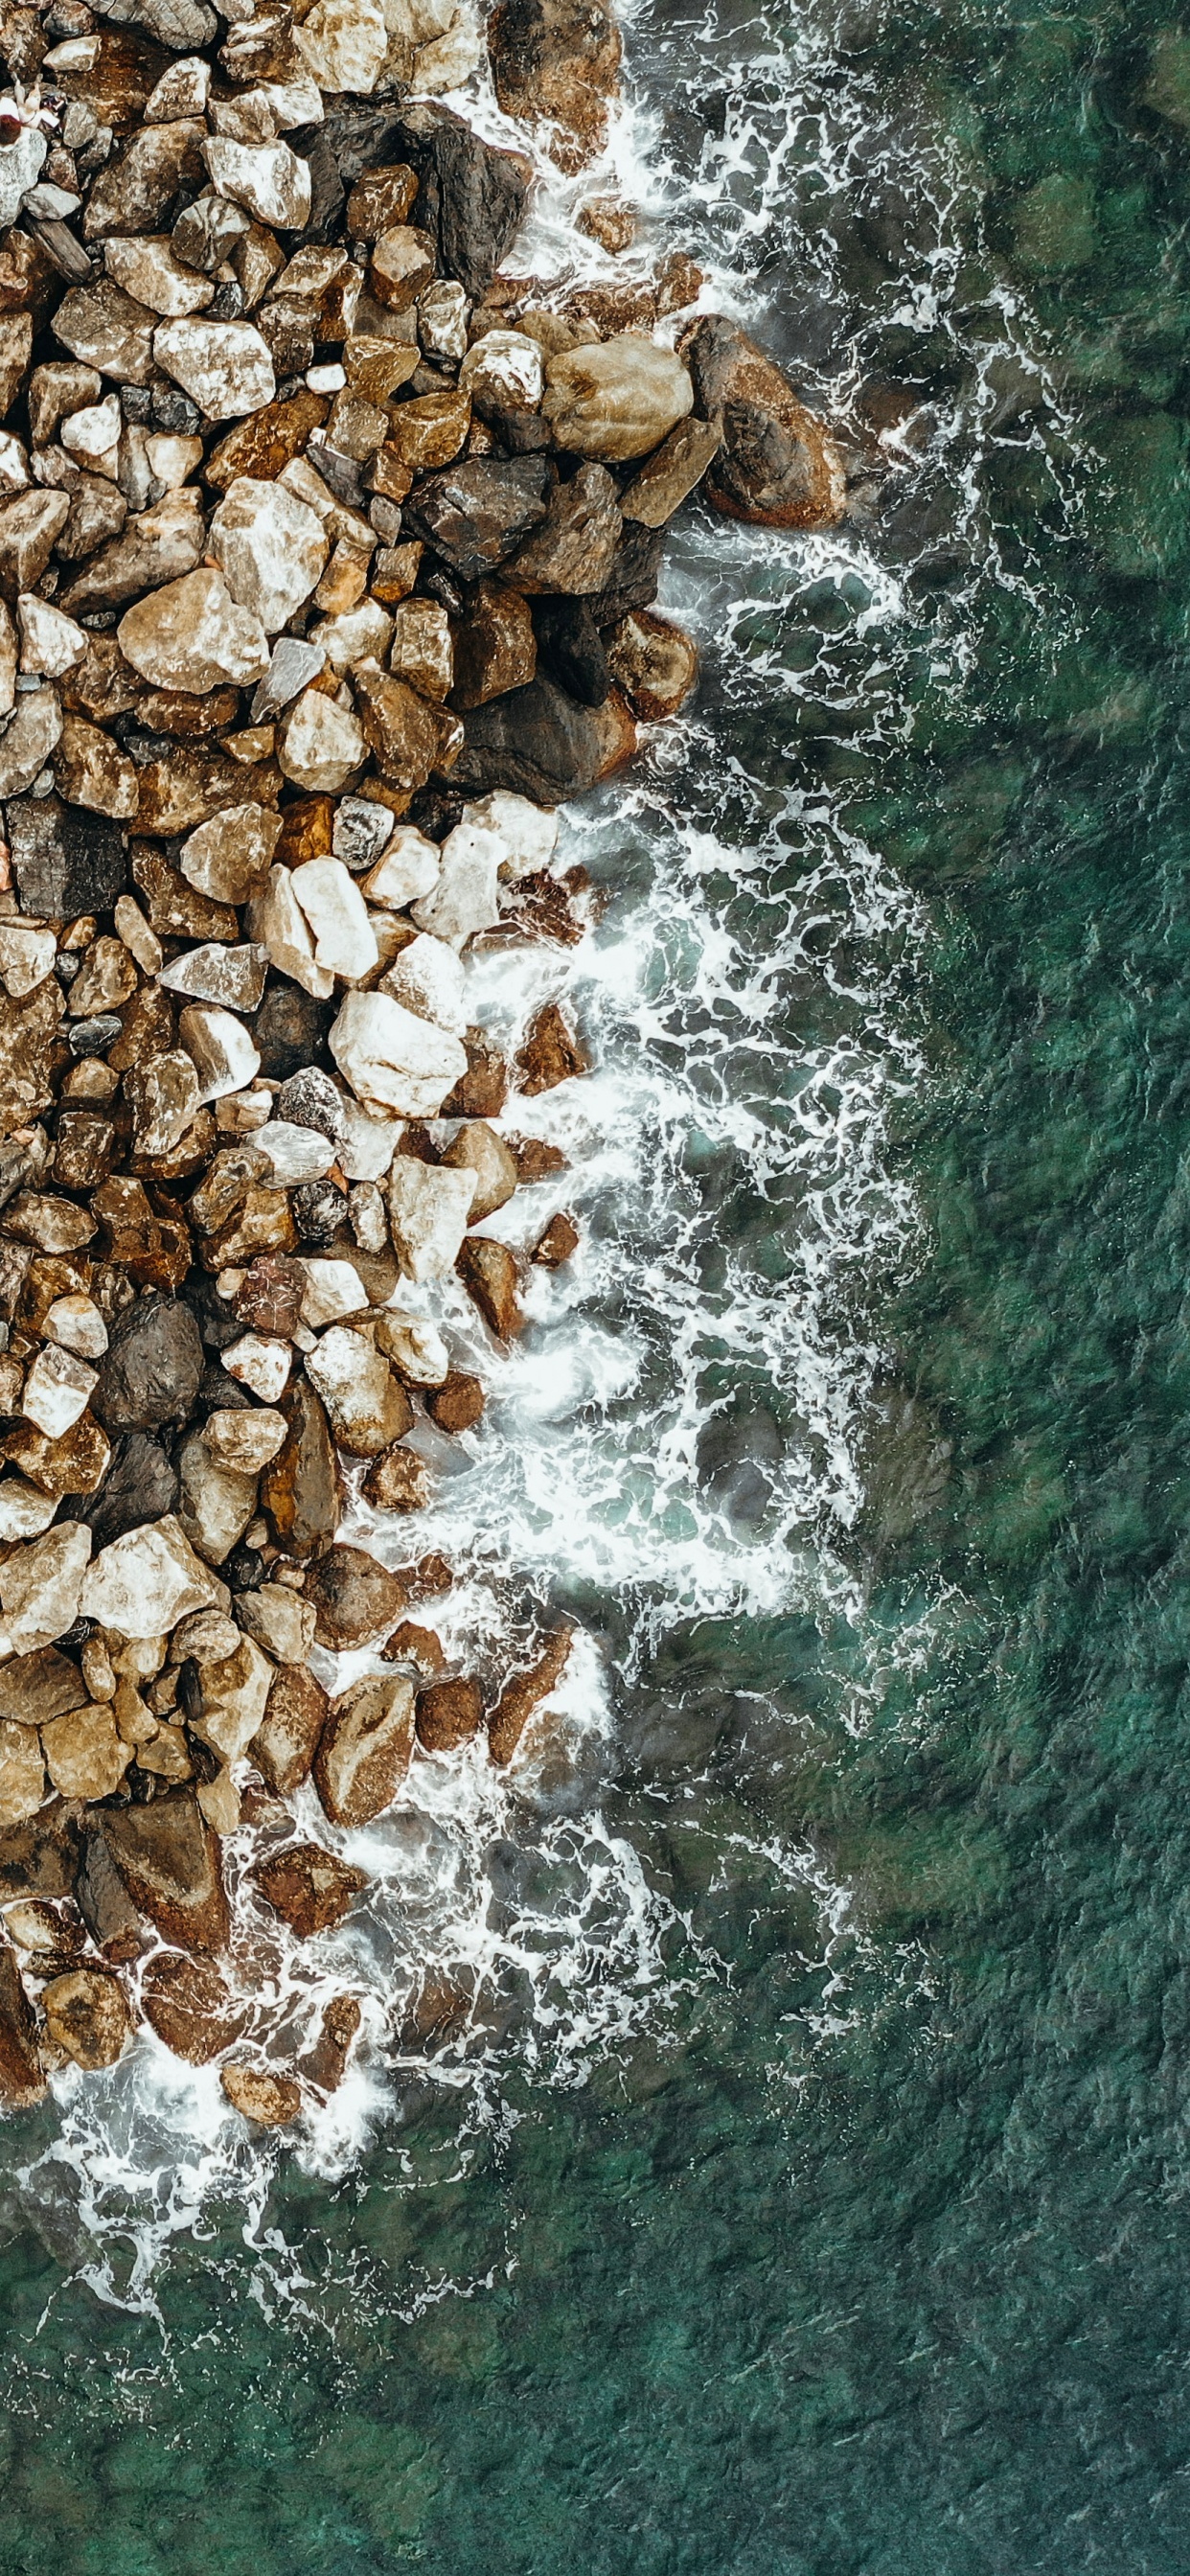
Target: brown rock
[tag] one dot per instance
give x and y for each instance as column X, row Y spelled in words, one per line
column 133, row 193
column 402, row 263
column 171, row 711
column 87, row 2015
column 306, row 831
column 271, row 2101
column 75, row 1464
column 354, row 1596
column 309, row 1887
column 146, row 1029
column 326, row 2064
column 560, row 1240
column 104, row 1903
column 40, row 1856
column 37, row 1688
column 448, row 1714
column 85, row 1150
column 778, row 465
column 267, row 441
column 84, row 1754
column 430, row 430
column 551, row 1053
column 380, row 199
column 301, row 1491
column 411, row 1644
column 284, row 1745
column 269, row 1298
column 574, row 548
column 483, row 1089
column 666, row 478
column 169, row 1862
column 490, row 1274
column 457, row 1404
column 22, row 2082
column 495, row 648
column 160, row 545
column 29, row 526
column 557, row 61
column 541, row 743
column 27, row 1033
column 364, row 1753
column 188, row 2005
column 177, row 793
column 655, row 663
column 404, row 733
column 478, row 512
column 398, row 1481
column 519, row 1697
column 477, row 1148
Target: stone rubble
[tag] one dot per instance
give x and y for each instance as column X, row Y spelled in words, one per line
column 329, row 550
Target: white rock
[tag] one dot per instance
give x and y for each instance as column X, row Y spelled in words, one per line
column 393, row 1060
column 344, row 941
column 28, row 736
column 271, row 548
column 416, row 1345
column 259, row 1362
column 26, row 958
column 172, row 460
column 279, row 1620
column 50, row 642
column 293, row 664
column 326, row 380
column 506, row 369
column 358, row 1389
column 320, row 745
column 92, row 436
column 58, row 1388
column 428, row 978
column 428, row 1208
column 333, row 1289
column 183, row 90
column 41, row 1586
column 234, row 1693
column 276, row 921
column 344, row 42
column 146, row 1581
column 227, row 856
column 209, row 1635
column 24, row 1513
column 20, row 165
column 167, row 1099
column 368, row 1143
column 215, row 1504
column 220, row 1049
column 408, row 869
column 147, row 270
column 14, row 476
column 464, row 901
column 272, row 181
column 76, row 1324
column 296, row 1153
column 293, row 102
column 140, row 942
column 245, row 1441
column 529, row 834
column 192, row 635
column 361, row 634
column 225, row 367
column 442, row 315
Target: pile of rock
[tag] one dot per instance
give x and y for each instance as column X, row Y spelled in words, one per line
column 328, row 555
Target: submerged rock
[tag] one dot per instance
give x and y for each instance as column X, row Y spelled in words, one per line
column 310, row 1888
column 271, row 2101
column 190, row 2007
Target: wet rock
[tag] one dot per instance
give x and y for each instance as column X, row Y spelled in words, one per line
column 429, row 1209
column 310, row 1888
column 141, row 1485
column 150, row 1374
column 365, row 1404
column 301, row 1490
column 272, row 550
column 392, row 1059
column 134, row 193
column 525, row 1693
column 326, row 2064
column 190, row 2007
column 477, row 513
column 270, row 2101
column 539, row 743
column 399, row 1480
column 479, row 1150
column 615, row 399
column 672, row 472
column 470, row 197
column 570, row 648
column 574, row 548
column 654, row 663
column 365, row 1749
column 168, row 1860
column 270, row 1295
column 355, row 1597
column 215, row 1504
column 233, row 1693
column 29, row 527
column 495, row 648
column 87, row 2016
column 103, row 1900
column 421, row 651
column 284, row 1744
column 22, row 2082
column 144, row 1582
column 448, row 1714
column 157, row 546
column 456, row 1405
column 404, row 733
column 557, row 60
column 551, row 1052
column 560, row 1240
column 191, row 635
column 428, row 979
column 778, row 465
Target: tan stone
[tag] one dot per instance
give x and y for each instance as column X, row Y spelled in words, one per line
column 228, row 858
column 84, row 1754
column 615, row 399
column 365, row 1749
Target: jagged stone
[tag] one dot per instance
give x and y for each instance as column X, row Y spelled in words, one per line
column 284, row 1745
column 190, row 2007
column 392, row 1059
column 778, row 465
column 141, row 1584
column 270, row 2101
column 192, row 635
column 272, row 550
column 478, row 512
column 311, row 1889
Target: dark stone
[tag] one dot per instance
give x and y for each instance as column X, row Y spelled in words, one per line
column 289, row 1029
column 136, row 402
column 342, row 477
column 219, row 1393
column 270, row 1297
column 66, row 861
column 490, row 1275
column 40, row 1857
column 569, row 647
column 550, row 1054
column 21, row 2080
column 434, row 581
column 476, row 513
column 354, row 1597
column 168, row 1859
column 310, row 1888
column 188, row 2005
column 776, row 465
column 470, row 197
column 351, row 139
column 152, row 1368
column 539, row 742
column 104, row 1902
column 300, row 1490
column 140, row 1486
column 244, row 1569
column 326, row 2064
column 635, row 573
column 174, row 412
column 319, row 1211
column 94, row 1037
column 309, row 1099
column 448, row 1714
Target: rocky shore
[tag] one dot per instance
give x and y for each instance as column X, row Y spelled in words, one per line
column 329, row 547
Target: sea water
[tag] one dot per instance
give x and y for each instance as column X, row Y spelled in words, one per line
column 768, row 2153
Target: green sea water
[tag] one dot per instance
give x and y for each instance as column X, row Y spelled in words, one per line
column 871, row 2252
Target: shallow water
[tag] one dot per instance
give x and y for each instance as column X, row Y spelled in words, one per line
column 772, row 2155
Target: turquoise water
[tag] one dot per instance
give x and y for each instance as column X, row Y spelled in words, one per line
column 867, row 2247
